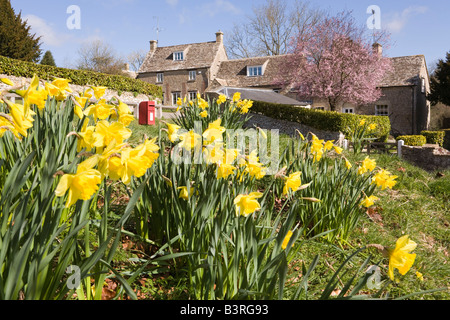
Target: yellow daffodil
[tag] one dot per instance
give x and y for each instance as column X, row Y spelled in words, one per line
column 230, row 155
column 7, row 124
column 214, row 132
column 337, row 149
column 224, row 170
column 401, row 257
column 372, row 126
column 236, row 97
column 7, row 81
column 213, row 153
column 286, row 239
column 173, row 132
column 101, row 110
column 247, row 204
column 22, row 122
column 204, row 114
column 106, row 132
column 81, row 185
column 184, row 194
column 367, row 165
column 384, row 179
column 255, row 170
column 419, row 275
column 348, row 164
column 369, row 201
column 136, row 162
column 202, row 104
column 222, row 99
column 190, row 140
column 362, row 122
column 328, row 145
column 62, row 84
column 293, row 182
column 99, row 92
column 86, row 137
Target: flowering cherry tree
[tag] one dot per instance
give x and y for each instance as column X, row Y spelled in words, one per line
column 336, row 63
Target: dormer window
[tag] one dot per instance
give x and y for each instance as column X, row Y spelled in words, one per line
column 178, row 56
column 254, row 71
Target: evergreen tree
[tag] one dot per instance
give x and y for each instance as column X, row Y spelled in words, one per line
column 440, row 83
column 16, row 41
column 47, row 59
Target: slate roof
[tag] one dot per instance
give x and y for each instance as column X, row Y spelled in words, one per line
column 196, row 55
column 405, row 71
column 234, row 72
column 258, row 94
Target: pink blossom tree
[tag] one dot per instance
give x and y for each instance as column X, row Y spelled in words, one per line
column 336, row 62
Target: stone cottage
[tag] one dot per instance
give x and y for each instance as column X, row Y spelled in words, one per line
column 185, row 70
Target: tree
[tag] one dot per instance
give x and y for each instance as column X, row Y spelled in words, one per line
column 270, row 29
column 440, row 83
column 136, row 59
column 100, row 57
column 48, row 59
column 16, row 41
column 335, row 61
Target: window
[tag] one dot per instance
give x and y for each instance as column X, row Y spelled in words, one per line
column 192, row 95
column 382, row 110
column 349, row 110
column 254, row 71
column 175, row 97
column 159, row 77
column 192, row 75
column 423, row 85
column 319, row 108
column 178, row 56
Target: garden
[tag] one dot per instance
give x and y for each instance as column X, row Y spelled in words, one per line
column 96, row 207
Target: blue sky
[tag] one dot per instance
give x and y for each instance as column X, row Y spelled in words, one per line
column 416, row 27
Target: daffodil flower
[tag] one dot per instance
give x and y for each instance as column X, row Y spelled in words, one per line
column 224, row 170
column 400, row 258
column 184, row 194
column 81, row 185
column 7, row 81
column 173, row 132
column 204, row 114
column 293, row 182
column 286, row 240
column 369, row 201
column 247, row 204
column 384, row 179
column 222, row 98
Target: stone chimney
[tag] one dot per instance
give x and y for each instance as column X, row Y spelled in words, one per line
column 219, row 37
column 378, row 49
column 153, row 45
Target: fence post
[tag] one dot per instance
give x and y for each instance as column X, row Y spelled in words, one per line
column 400, row 143
column 345, row 144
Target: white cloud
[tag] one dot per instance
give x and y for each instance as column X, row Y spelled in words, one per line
column 220, row 6
column 172, row 3
column 48, row 34
column 397, row 21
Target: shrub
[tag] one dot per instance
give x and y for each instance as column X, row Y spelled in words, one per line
column 413, row 140
column 323, row 120
column 434, row 137
column 446, row 143
column 20, row 68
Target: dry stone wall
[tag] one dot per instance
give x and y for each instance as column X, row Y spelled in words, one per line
column 428, row 157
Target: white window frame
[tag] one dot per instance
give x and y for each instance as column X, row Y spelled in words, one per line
column 422, row 83
column 380, row 112
column 192, row 75
column 159, row 77
column 175, row 96
column 254, row 71
column 350, row 110
column 192, row 95
column 178, row 56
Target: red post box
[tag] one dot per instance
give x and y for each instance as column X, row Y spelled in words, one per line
column 147, row 113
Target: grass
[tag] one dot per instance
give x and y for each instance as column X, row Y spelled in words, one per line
column 417, row 205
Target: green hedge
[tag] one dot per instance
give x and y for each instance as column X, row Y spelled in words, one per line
column 323, row 120
column 119, row 83
column 434, row 137
column 413, row 140
column 446, row 143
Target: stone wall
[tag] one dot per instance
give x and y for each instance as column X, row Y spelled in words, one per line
column 126, row 97
column 290, row 128
column 428, row 157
